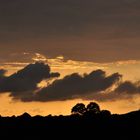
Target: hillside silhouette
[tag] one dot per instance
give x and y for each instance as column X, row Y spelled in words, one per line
column 89, row 121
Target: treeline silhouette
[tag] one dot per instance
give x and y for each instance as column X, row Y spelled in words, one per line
column 89, row 121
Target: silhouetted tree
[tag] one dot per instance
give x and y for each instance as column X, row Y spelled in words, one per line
column 79, row 109
column 105, row 113
column 93, row 108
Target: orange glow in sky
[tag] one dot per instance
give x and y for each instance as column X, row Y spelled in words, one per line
column 65, row 67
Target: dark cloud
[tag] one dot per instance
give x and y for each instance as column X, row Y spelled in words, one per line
column 124, row 90
column 2, row 73
column 50, row 17
column 68, row 26
column 27, row 78
column 93, row 86
column 75, row 86
column 128, row 87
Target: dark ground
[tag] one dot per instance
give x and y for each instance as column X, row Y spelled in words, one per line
column 97, row 126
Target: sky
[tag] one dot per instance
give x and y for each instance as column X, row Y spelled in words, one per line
column 67, row 37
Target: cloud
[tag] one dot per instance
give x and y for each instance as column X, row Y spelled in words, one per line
column 128, row 87
column 2, row 73
column 124, row 90
column 49, row 17
column 75, row 86
column 26, row 79
column 96, row 85
column 68, row 26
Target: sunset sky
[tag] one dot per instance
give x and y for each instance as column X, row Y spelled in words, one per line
column 42, row 41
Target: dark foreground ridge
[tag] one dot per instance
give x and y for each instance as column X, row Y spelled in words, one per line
column 89, row 122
